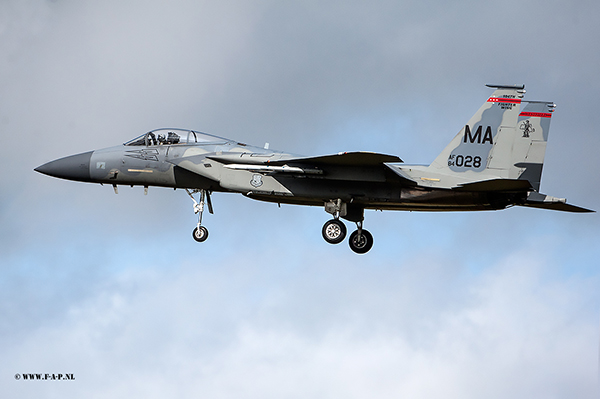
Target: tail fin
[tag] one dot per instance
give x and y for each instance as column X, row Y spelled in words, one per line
column 499, row 141
column 532, row 128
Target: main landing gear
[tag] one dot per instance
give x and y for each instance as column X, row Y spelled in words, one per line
column 360, row 240
column 200, row 233
column 334, row 230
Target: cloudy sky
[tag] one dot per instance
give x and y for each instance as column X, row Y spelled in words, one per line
column 113, row 289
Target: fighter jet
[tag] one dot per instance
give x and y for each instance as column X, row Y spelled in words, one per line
column 494, row 162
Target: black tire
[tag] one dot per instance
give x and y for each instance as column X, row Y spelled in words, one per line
column 200, row 234
column 363, row 245
column 334, row 231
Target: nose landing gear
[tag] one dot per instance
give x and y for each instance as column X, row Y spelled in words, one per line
column 200, row 233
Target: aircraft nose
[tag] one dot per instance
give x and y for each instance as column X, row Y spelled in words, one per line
column 74, row 167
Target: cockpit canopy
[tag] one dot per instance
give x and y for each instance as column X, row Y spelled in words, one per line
column 175, row 136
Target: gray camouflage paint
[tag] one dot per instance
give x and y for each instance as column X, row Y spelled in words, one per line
column 477, row 142
column 499, row 147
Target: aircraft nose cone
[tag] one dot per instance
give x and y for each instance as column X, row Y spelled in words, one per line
column 74, row 167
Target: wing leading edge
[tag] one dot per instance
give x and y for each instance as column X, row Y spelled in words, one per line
column 359, row 158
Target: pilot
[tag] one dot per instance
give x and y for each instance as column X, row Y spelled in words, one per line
column 172, row 138
column 161, row 139
column 151, row 139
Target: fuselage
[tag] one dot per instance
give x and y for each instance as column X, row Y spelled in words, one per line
column 194, row 160
column 495, row 161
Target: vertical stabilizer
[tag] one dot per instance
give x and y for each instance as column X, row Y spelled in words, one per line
column 500, row 141
column 530, row 145
column 483, row 143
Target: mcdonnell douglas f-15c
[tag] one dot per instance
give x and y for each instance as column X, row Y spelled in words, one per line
column 494, row 162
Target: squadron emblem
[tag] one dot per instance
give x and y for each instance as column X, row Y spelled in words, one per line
column 256, row 180
column 527, row 128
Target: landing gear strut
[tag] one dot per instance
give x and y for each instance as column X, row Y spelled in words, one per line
column 334, row 231
column 200, row 233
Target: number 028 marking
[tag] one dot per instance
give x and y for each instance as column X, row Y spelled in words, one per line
column 465, row 161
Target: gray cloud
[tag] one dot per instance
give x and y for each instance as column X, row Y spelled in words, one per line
column 244, row 329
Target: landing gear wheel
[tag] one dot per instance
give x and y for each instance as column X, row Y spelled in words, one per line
column 362, row 244
column 334, row 231
column 200, row 234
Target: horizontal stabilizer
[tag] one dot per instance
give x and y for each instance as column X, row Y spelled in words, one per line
column 496, row 185
column 343, row 159
column 557, row 206
column 537, row 200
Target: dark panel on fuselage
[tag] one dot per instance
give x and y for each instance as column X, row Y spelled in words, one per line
column 327, row 189
column 390, row 195
column 187, row 179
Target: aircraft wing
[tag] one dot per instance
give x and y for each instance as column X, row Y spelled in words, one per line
column 295, row 165
column 343, row 160
column 360, row 158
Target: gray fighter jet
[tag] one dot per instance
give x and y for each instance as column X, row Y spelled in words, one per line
column 494, row 162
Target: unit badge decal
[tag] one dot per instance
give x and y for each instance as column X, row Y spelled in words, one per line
column 527, row 128
column 256, row 180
